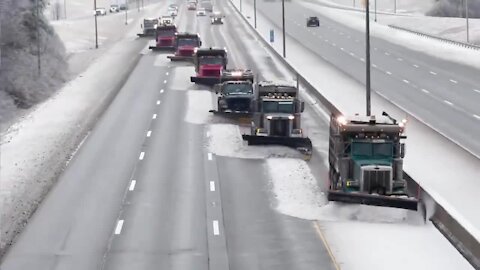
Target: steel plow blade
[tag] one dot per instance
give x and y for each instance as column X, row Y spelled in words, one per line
column 373, row 199
column 304, row 145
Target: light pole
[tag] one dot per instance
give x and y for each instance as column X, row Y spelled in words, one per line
column 283, row 28
column 395, row 6
column 240, row 6
column 65, row 8
column 468, row 24
column 367, row 58
column 39, row 61
column 255, row 13
column 375, row 10
column 353, row 3
column 96, row 25
column 126, row 12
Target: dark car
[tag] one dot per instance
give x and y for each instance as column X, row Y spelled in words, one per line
column 123, row 7
column 313, row 22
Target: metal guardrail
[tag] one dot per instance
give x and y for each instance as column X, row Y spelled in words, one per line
column 446, row 40
column 458, row 236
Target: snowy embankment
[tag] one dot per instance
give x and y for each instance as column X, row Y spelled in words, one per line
column 423, row 143
column 36, row 149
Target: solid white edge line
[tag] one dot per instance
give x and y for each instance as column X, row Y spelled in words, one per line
column 406, row 81
column 212, row 186
column 132, row 185
column 154, row 116
column 149, row 133
column 210, row 156
column 118, row 228
column 142, row 155
column 425, row 91
column 476, row 90
column 216, row 228
column 448, row 102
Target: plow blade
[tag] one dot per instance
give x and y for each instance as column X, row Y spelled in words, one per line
column 375, row 200
column 155, row 48
column 304, row 145
column 146, row 35
column 210, row 81
column 180, row 58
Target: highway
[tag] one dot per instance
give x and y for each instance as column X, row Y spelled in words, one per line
column 144, row 193
column 441, row 93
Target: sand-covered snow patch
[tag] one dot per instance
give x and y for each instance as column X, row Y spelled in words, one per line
column 199, row 105
column 298, row 194
column 226, row 140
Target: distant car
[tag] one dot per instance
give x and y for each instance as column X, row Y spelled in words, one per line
column 217, row 18
column 313, row 22
column 114, row 8
column 192, row 6
column 100, row 12
column 166, row 20
column 174, row 6
column 123, row 7
column 201, row 12
column 172, row 11
column 207, row 5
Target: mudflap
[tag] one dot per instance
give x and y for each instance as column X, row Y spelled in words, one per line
column 303, row 145
column 375, row 200
column 241, row 117
column 180, row 58
column 210, row 81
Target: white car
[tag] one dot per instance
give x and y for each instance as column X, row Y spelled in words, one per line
column 201, row 12
column 114, row 8
column 100, row 12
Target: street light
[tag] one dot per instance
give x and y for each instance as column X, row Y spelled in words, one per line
column 367, row 58
column 96, row 25
column 255, row 13
column 126, row 12
column 39, row 61
column 468, row 24
column 283, row 28
column 375, row 10
column 395, row 6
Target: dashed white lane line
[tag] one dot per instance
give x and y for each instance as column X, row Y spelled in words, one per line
column 158, row 102
column 373, row 65
column 448, row 102
column 376, row 49
column 142, row 155
column 149, row 133
column 387, row 54
column 476, row 116
column 453, row 81
column 216, row 229
column 400, row 59
column 167, row 73
column 425, row 91
column 362, row 59
column 165, row 81
column 388, row 72
column 212, row 186
column 476, row 90
column 348, row 37
column 154, row 116
column 357, row 41
column 161, row 91
column 352, row 54
column 416, row 66
column 118, row 228
column 334, row 45
column 406, row 81
column 210, row 156
column 433, row 73
column 132, row 185
column 208, row 134
column 342, row 49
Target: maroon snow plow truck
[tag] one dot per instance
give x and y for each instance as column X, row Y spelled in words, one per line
column 209, row 65
column 185, row 44
column 165, row 38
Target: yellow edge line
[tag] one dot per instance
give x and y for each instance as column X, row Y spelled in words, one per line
column 324, row 240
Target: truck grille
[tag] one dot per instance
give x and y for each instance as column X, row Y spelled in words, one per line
column 376, row 181
column 238, row 104
column 185, row 52
column 211, row 72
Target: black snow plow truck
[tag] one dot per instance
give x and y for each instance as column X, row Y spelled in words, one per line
column 366, row 162
column 235, row 94
column 277, row 118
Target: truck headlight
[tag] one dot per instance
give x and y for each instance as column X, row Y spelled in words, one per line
column 291, row 117
column 269, row 117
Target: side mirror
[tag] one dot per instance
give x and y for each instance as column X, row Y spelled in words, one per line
column 402, row 150
column 302, row 107
column 200, row 43
column 141, row 26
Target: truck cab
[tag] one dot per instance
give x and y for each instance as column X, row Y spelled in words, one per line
column 209, row 65
column 235, row 97
column 366, row 161
column 165, row 37
column 185, row 46
column 149, row 27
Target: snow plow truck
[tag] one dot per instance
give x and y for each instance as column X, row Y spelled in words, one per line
column 149, row 27
column 164, row 38
column 209, row 65
column 366, row 162
column 277, row 118
column 185, row 46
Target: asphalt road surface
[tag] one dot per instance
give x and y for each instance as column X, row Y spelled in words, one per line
column 144, row 193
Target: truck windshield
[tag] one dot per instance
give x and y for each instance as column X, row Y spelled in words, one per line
column 211, row 60
column 166, row 33
column 278, row 107
column 150, row 24
column 187, row 42
column 375, row 150
column 238, row 89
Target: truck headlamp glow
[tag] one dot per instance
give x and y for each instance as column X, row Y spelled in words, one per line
column 342, row 120
column 269, row 117
column 291, row 117
column 237, row 73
